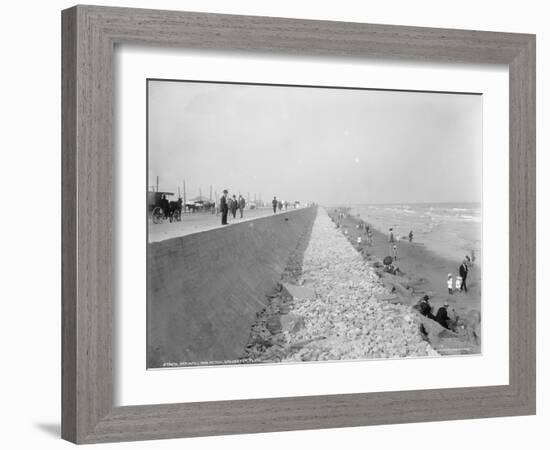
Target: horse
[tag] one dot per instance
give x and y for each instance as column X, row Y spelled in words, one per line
column 174, row 210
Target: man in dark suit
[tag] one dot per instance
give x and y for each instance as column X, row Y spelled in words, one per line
column 463, row 271
column 242, row 204
column 224, row 207
column 274, row 204
column 442, row 317
column 425, row 308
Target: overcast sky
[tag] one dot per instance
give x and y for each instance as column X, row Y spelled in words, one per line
column 332, row 146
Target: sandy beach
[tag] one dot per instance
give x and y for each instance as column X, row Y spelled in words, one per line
column 423, row 271
column 416, row 261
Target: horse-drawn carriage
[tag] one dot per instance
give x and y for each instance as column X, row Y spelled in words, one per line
column 161, row 209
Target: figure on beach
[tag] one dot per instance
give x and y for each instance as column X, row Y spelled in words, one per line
column 165, row 205
column 458, row 283
column 242, row 204
column 410, row 236
column 450, row 283
column 463, row 271
column 274, row 204
column 224, row 207
column 391, row 238
column 442, row 316
column 424, row 307
column 394, row 252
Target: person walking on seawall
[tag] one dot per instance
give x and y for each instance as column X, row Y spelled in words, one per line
column 463, row 271
column 274, row 204
column 234, row 206
column 224, row 207
column 242, row 204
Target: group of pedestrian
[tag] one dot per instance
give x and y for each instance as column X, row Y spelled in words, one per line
column 278, row 205
column 232, row 204
column 442, row 316
column 460, row 280
column 425, row 308
column 365, row 227
column 392, row 240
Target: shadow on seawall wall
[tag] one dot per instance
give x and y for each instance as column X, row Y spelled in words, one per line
column 204, row 289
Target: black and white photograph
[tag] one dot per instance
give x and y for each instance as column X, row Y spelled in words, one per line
column 292, row 224
column 275, row 224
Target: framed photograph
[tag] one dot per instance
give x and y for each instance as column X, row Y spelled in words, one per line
column 278, row 224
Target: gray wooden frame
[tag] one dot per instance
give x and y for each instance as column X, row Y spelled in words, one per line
column 89, row 36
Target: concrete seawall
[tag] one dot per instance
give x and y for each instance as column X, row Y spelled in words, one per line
column 204, row 289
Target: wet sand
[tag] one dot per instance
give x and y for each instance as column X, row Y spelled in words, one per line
column 201, row 221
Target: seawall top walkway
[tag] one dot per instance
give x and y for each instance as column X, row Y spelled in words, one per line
column 203, row 221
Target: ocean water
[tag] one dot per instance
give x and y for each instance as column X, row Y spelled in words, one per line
column 452, row 230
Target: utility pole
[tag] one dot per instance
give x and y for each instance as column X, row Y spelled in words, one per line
column 200, row 193
column 184, row 196
column 157, row 183
column 210, row 194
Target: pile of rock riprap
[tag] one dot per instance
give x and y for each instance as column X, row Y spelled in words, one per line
column 329, row 309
